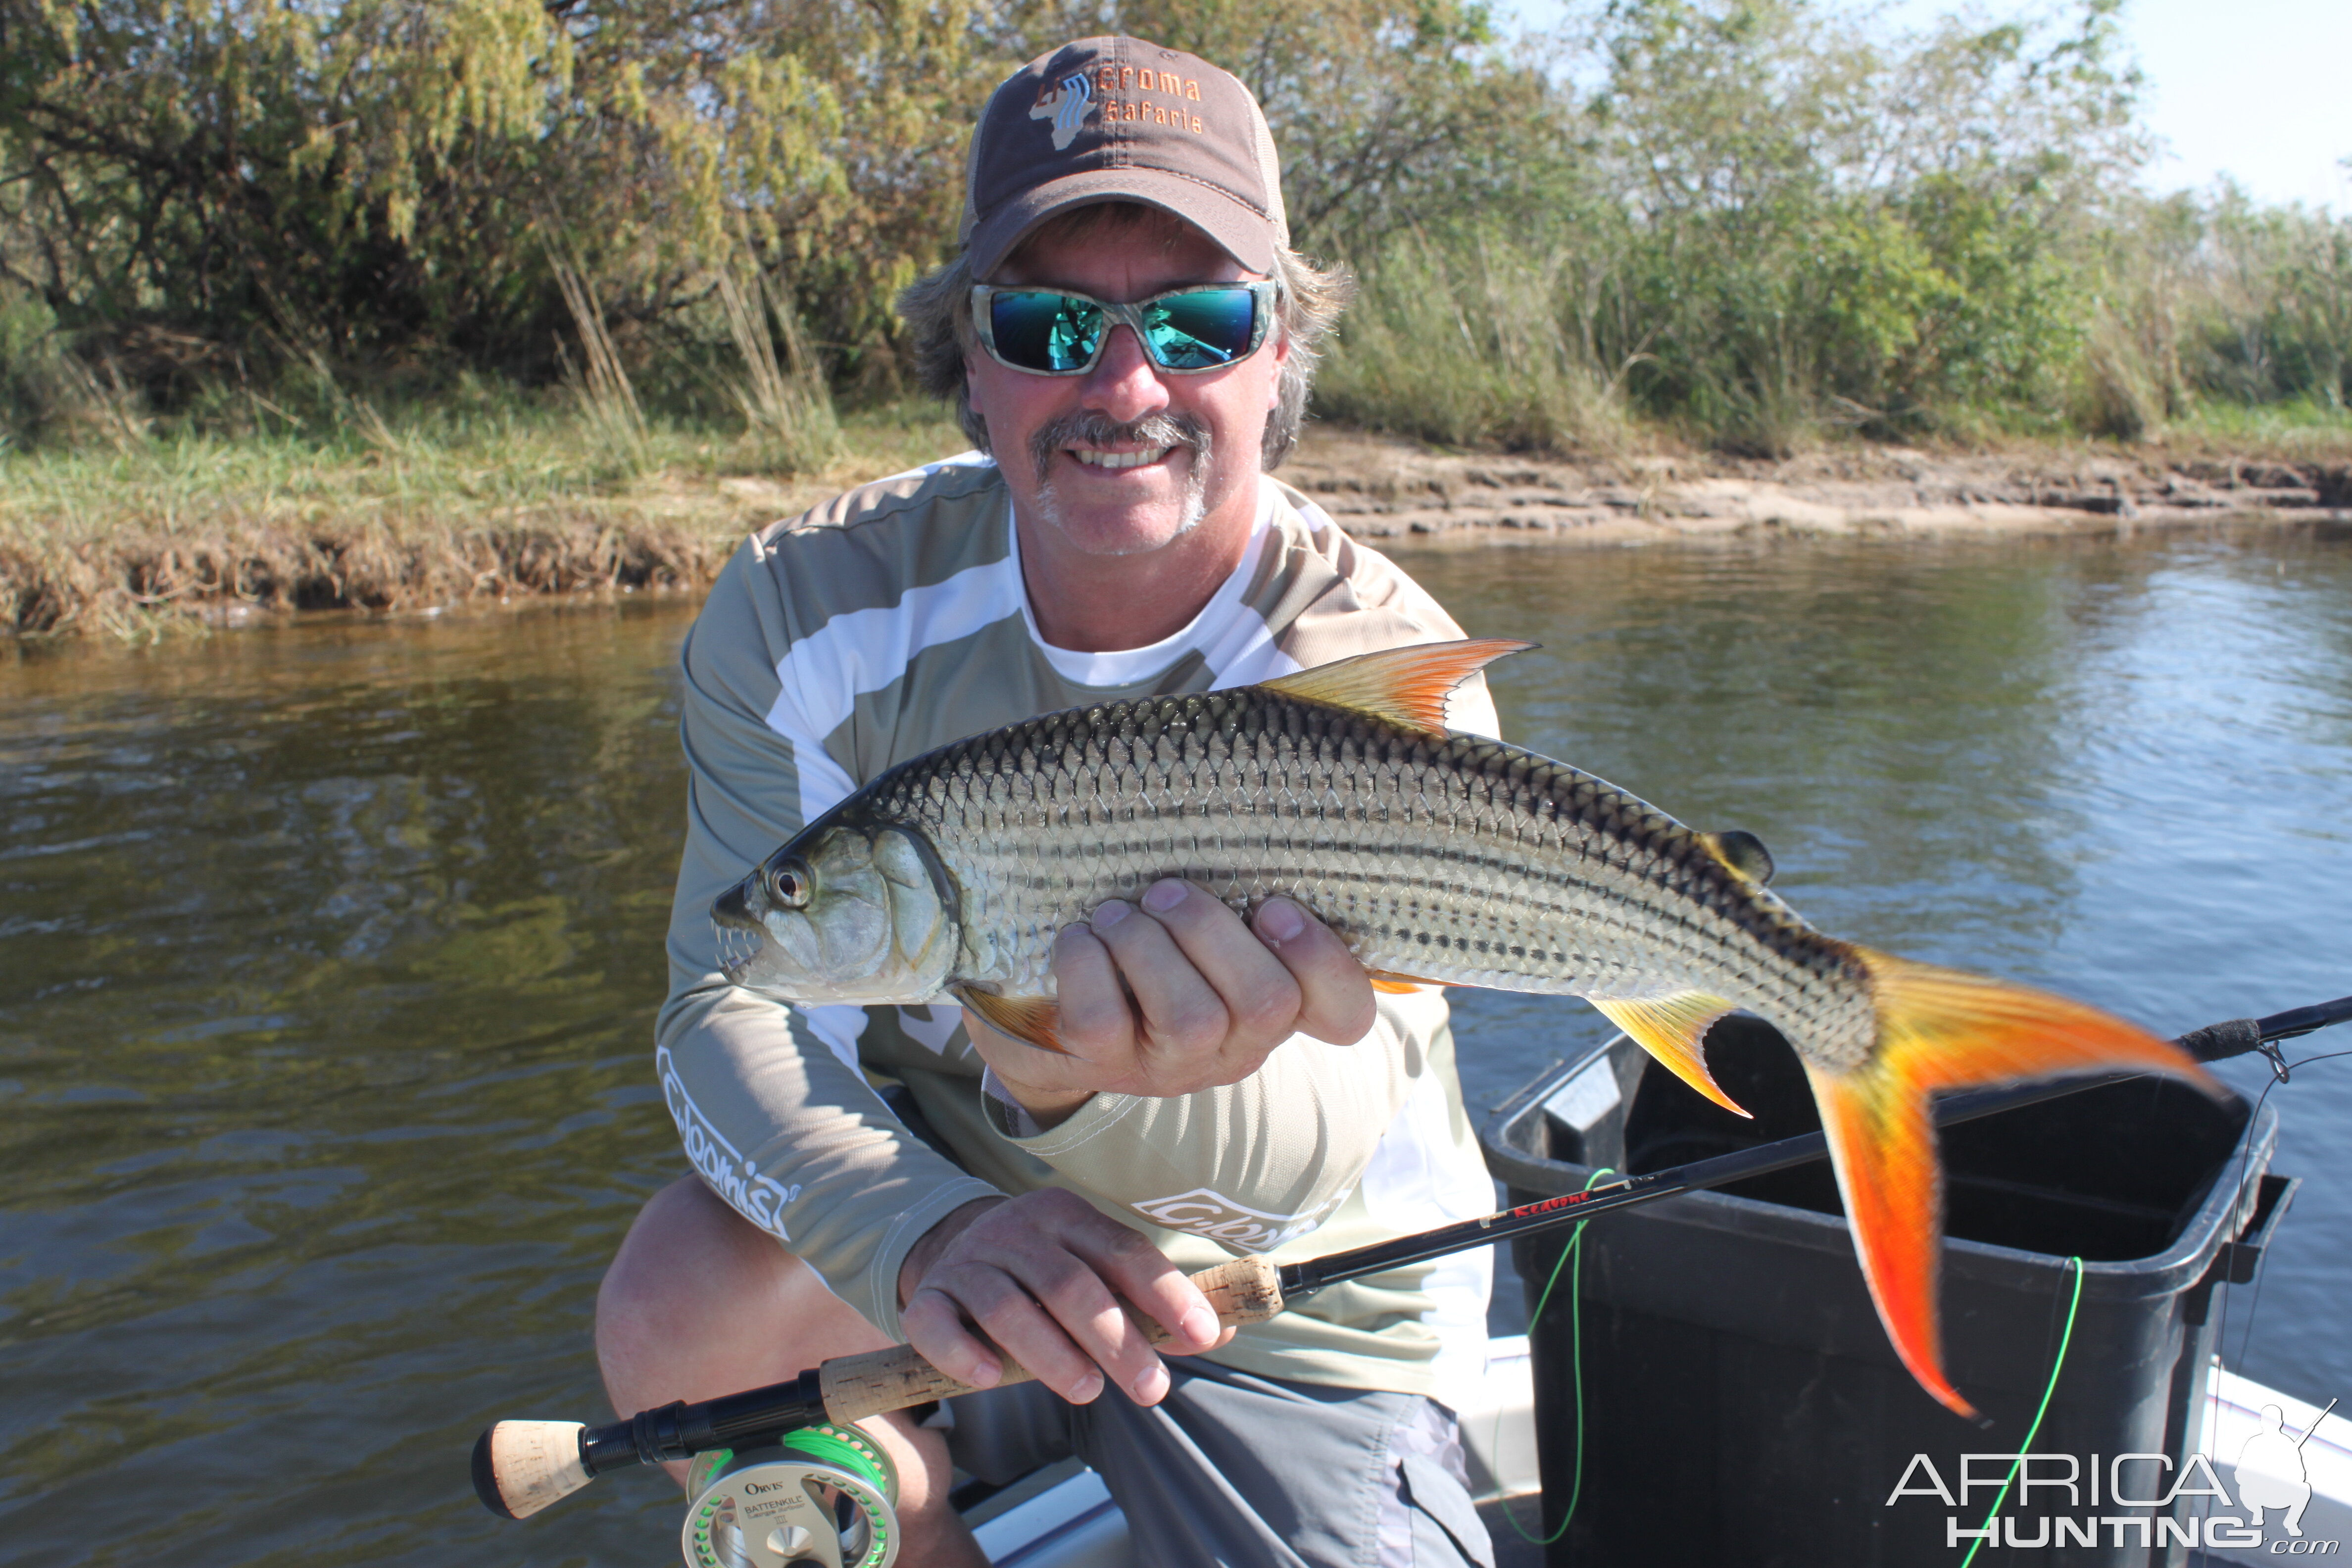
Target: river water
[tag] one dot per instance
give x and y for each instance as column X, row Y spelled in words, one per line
column 328, row 956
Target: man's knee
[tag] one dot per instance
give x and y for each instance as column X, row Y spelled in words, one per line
column 685, row 1251
column 700, row 1302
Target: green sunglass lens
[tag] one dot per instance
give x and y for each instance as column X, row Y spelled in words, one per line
column 1039, row 329
column 1204, row 328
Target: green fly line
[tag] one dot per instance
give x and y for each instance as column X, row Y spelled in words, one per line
column 1576, row 1360
column 872, row 1486
column 2057, row 1366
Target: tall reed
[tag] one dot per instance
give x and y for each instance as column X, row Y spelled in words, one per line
column 787, row 409
column 606, row 401
column 1485, row 341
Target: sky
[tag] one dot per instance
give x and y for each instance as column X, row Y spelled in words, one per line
column 2251, row 89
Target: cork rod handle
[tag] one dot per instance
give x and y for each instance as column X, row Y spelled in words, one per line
column 1244, row 1291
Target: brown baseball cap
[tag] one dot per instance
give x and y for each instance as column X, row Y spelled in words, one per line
column 1115, row 119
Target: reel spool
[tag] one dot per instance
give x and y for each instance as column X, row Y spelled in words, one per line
column 768, row 1507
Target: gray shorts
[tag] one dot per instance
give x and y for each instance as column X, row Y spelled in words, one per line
column 1254, row 1472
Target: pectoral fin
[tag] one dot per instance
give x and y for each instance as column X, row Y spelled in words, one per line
column 1405, row 686
column 1401, row 984
column 1673, row 1030
column 1032, row 1020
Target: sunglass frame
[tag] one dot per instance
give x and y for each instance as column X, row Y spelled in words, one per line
column 1262, row 295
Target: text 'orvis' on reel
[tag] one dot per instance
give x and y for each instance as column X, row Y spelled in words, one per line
column 824, row 1495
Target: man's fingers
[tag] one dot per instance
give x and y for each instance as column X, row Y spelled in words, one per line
column 935, row 1325
column 1041, row 1277
column 1336, row 1002
column 1081, row 1302
column 1013, row 1322
column 1143, row 1274
column 1095, row 1020
column 1261, row 999
column 1181, row 1011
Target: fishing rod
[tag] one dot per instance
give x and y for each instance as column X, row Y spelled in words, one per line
column 522, row 1467
column 2214, row 1042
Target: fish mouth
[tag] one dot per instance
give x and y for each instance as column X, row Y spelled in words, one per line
column 732, row 909
column 740, row 935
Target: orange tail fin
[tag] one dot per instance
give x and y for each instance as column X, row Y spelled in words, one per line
column 1940, row 1029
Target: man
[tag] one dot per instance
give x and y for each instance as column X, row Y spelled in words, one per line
column 1128, row 336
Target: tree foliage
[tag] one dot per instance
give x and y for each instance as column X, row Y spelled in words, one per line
column 382, row 177
column 1754, row 218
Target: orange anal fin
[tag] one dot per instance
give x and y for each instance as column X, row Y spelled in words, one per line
column 1883, row 1146
column 1401, row 984
column 1032, row 1020
column 1671, row 1029
column 1406, row 686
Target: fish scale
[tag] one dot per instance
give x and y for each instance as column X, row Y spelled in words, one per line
column 1436, row 857
column 1458, row 860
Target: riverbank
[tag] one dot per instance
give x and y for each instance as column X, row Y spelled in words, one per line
column 155, row 537
column 1391, row 492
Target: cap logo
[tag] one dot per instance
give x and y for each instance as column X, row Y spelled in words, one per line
column 1065, row 108
column 1120, row 80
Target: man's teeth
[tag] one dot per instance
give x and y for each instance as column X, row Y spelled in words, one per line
column 1120, row 460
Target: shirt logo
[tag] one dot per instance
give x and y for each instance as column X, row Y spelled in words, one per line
column 1205, row 1212
column 1066, row 107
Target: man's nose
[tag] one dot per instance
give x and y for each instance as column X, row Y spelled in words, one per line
column 1124, row 384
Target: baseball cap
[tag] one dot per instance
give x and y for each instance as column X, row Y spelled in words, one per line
column 1117, row 119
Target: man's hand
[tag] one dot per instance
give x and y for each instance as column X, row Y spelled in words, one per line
column 1178, row 995
column 1041, row 1274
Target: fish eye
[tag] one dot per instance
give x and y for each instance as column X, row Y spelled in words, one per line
column 789, row 887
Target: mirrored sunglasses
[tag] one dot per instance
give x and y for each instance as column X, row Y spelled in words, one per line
column 1054, row 332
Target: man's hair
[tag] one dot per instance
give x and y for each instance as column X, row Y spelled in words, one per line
column 938, row 306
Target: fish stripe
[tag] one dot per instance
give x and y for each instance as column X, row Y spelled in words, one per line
column 1455, row 859
column 1455, row 856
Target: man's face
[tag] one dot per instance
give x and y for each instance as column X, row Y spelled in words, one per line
column 1127, row 457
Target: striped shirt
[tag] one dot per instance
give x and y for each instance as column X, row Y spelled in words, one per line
column 893, row 620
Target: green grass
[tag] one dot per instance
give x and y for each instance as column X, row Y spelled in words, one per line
column 432, row 504
column 2304, row 430
column 135, row 529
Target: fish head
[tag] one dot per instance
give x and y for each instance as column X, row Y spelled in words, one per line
column 843, row 913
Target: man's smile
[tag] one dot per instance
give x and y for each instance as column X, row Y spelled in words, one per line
column 1099, row 459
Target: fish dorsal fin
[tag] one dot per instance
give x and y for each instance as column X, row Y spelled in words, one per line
column 1670, row 1028
column 1743, row 852
column 1405, row 686
column 1032, row 1020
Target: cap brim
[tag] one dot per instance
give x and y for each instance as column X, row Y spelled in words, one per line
column 1238, row 229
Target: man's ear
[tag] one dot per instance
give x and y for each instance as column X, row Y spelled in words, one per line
column 1281, row 357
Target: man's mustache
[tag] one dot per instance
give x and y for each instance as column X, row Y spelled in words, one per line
column 1099, row 430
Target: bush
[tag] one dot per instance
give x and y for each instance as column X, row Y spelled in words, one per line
column 1755, row 222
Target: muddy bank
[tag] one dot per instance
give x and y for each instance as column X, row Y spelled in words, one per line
column 141, row 568
column 1395, row 491
column 231, row 566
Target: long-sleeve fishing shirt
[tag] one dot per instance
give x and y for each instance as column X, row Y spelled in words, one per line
column 891, row 621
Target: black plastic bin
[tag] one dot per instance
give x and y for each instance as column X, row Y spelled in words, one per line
column 1741, row 1405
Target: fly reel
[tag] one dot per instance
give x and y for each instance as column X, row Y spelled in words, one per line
column 821, row 1495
